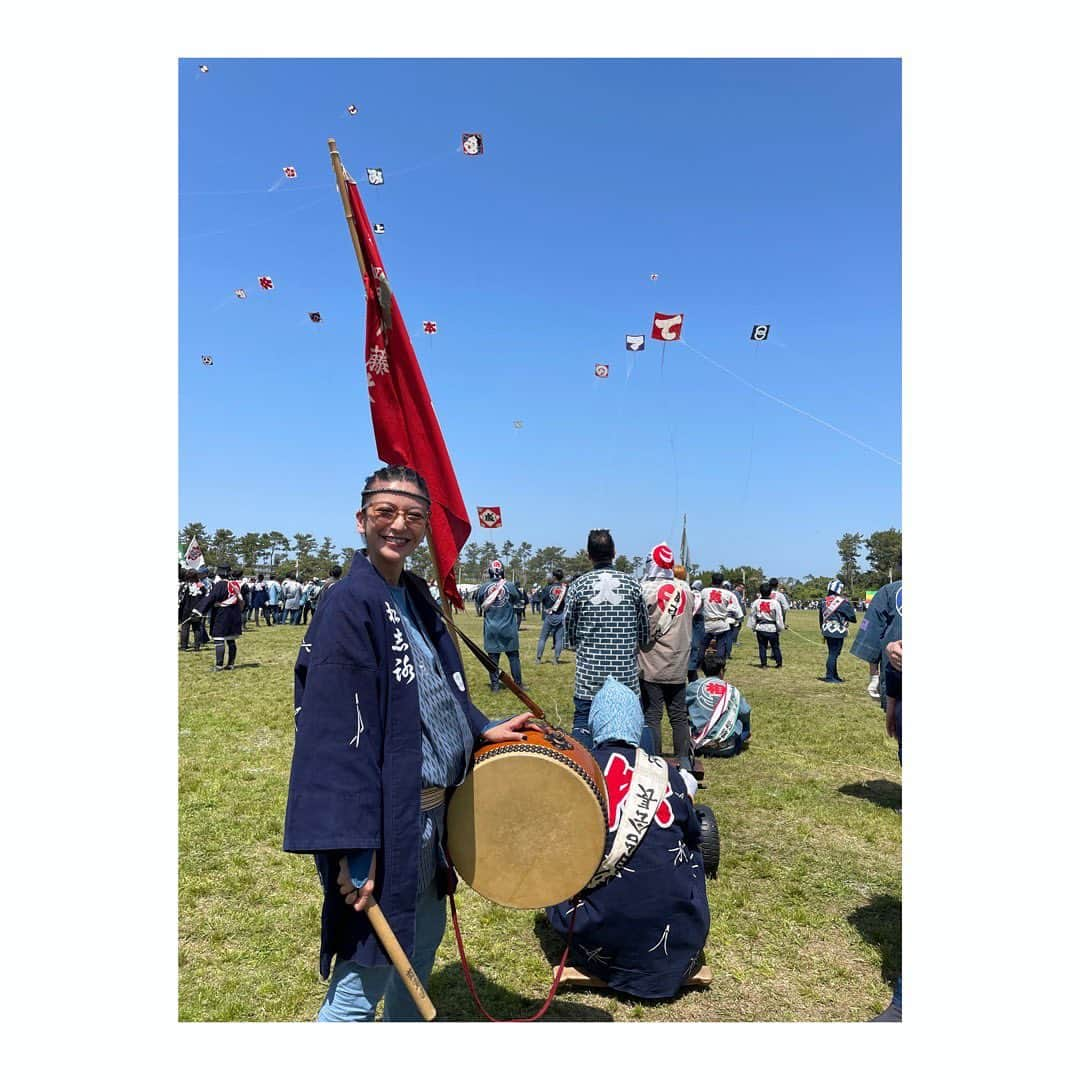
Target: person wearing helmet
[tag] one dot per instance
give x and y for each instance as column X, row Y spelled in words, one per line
column 497, row 601
column 834, row 614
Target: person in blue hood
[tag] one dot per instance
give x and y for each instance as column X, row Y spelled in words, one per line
column 641, row 923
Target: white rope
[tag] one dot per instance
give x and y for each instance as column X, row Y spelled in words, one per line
column 788, row 405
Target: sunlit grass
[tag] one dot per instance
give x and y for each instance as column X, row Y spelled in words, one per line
column 805, row 911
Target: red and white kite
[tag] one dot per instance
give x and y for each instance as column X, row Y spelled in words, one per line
column 654, row 277
column 351, row 110
column 430, row 328
column 667, row 327
column 490, row 516
column 289, row 172
column 601, row 370
column 265, row 282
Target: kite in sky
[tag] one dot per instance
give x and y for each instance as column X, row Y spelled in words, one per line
column 519, row 423
column 314, row 316
column 265, row 282
column 430, row 328
column 240, row 294
column 601, row 371
column 352, row 110
column 667, row 327
column 203, row 68
column 654, row 277
column 374, row 176
column 208, row 361
column 760, row 333
column 635, row 342
column 379, row 227
column 490, row 516
column 472, row 143
column 289, row 171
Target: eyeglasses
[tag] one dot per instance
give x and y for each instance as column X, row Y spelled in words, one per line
column 385, row 514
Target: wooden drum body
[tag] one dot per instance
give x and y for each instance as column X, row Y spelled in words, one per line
column 527, row 827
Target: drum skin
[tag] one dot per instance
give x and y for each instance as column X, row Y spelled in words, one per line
column 527, row 827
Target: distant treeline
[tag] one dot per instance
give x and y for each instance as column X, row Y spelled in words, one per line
column 304, row 556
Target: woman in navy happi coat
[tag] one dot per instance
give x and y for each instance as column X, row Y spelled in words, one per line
column 361, row 738
column 642, row 932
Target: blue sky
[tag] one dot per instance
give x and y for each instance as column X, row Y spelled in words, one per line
column 759, row 191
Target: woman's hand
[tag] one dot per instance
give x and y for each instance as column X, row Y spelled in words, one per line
column 357, row 899
column 510, row 730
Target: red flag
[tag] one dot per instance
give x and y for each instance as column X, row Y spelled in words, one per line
column 406, row 429
column 667, row 327
column 490, row 516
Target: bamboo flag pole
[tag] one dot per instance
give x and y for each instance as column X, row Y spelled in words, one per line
column 339, row 173
column 383, row 930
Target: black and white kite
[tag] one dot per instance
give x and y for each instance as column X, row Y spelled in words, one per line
column 472, row 143
column 601, row 371
column 519, row 423
column 374, row 176
column 379, row 227
column 760, row 333
column 635, row 342
column 240, row 294
column 203, row 68
column 314, row 316
column 208, row 361
column 352, row 110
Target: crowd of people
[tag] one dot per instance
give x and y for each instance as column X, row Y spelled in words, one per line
column 218, row 607
column 385, row 731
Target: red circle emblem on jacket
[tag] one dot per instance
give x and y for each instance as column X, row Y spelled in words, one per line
column 663, row 595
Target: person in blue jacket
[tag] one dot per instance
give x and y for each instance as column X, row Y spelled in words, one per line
column 834, row 614
column 642, row 922
column 384, row 729
column 498, row 601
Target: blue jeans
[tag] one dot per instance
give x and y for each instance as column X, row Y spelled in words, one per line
column 835, row 646
column 514, row 660
column 556, row 630
column 764, row 641
column 721, row 640
column 582, row 729
column 355, row 990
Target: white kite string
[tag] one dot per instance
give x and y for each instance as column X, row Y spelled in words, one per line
column 393, row 174
column 788, row 405
column 255, row 224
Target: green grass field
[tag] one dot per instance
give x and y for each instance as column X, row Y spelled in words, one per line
column 805, row 910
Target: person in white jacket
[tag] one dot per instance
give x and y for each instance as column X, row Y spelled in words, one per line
column 723, row 613
column 767, row 621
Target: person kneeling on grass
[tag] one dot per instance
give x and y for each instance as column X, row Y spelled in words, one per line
column 719, row 714
column 642, row 921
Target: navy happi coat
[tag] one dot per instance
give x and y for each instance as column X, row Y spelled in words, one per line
column 642, row 931
column 355, row 780
column 835, row 624
column 225, row 622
